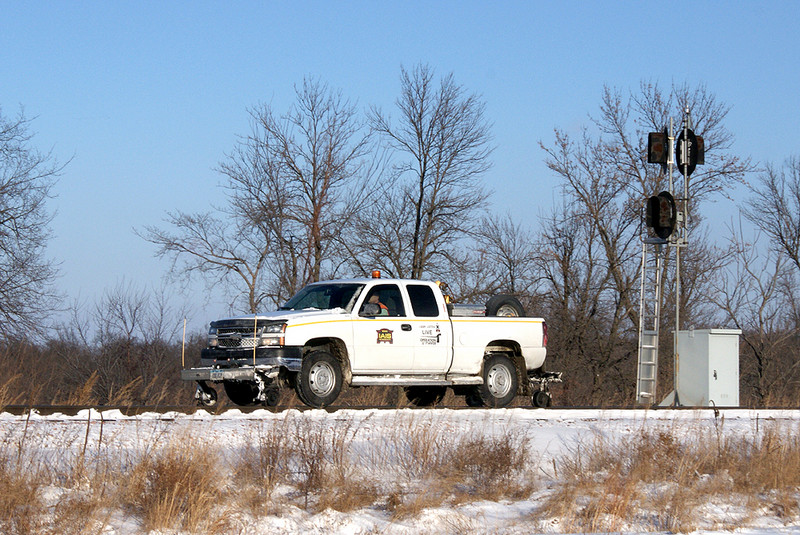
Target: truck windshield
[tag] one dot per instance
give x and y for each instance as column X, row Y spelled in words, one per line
column 325, row 297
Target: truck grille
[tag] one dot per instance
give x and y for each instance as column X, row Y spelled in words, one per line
column 235, row 342
column 239, row 333
column 235, row 338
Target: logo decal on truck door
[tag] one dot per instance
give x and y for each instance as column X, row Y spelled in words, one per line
column 385, row 336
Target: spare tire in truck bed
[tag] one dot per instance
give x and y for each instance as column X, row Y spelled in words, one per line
column 504, row 305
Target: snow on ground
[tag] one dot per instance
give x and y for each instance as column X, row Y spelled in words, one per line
column 551, row 433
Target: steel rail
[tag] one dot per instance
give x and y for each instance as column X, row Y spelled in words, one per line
column 133, row 410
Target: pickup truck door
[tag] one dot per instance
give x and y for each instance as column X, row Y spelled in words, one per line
column 383, row 343
column 433, row 333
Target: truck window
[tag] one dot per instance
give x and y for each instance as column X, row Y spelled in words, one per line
column 423, row 301
column 325, row 297
column 389, row 297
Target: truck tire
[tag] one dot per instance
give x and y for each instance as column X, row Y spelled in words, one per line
column 504, row 305
column 272, row 397
column 425, row 396
column 500, row 382
column 242, row 393
column 320, row 379
column 541, row 399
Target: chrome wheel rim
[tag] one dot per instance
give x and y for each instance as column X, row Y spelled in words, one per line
column 321, row 379
column 506, row 310
column 498, row 381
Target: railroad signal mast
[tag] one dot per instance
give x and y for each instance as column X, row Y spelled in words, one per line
column 666, row 217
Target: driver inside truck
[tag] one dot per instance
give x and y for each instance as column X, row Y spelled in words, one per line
column 375, row 300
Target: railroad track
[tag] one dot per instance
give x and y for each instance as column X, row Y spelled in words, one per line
column 132, row 410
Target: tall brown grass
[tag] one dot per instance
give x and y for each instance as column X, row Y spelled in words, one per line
column 8, row 396
column 20, row 498
column 178, row 487
column 661, row 479
column 655, row 477
column 264, row 463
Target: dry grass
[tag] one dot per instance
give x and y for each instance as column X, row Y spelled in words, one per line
column 381, row 396
column 178, row 487
column 81, row 503
column 434, row 469
column 653, row 478
column 263, row 465
column 491, row 468
column 306, row 454
column 84, row 395
column 321, row 470
column 7, row 389
column 660, row 479
column 21, row 507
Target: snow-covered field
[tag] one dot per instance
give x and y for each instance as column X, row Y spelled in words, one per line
column 374, row 441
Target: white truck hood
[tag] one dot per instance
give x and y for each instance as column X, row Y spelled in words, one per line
column 290, row 315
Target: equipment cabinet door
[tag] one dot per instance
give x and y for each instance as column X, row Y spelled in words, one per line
column 433, row 334
column 383, row 342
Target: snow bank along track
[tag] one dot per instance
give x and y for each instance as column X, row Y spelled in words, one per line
column 133, row 410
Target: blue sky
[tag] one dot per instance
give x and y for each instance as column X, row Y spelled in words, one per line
column 146, row 98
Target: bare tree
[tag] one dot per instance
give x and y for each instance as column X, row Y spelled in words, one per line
column 293, row 187
column 380, row 236
column 756, row 295
column 761, row 297
column 590, row 338
column 441, row 147
column 125, row 347
column 775, row 208
column 26, row 275
column 499, row 258
column 228, row 254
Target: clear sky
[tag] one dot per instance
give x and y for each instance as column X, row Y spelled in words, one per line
column 146, row 98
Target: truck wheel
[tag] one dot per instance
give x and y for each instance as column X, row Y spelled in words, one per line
column 499, row 386
column 241, row 393
column 425, row 396
column 320, row 379
column 272, row 398
column 541, row 399
column 504, row 305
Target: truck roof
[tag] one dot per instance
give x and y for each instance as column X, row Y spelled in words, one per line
column 365, row 280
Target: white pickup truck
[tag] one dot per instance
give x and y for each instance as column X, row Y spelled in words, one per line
column 368, row 332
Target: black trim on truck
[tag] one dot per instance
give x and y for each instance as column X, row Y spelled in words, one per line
column 246, row 354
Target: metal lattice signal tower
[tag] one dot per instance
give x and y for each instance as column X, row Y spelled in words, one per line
column 668, row 216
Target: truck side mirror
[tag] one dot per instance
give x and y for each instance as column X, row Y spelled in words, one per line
column 370, row 309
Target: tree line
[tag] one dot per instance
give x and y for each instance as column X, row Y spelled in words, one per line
column 325, row 190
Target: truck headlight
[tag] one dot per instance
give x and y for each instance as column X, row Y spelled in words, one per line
column 273, row 335
column 212, row 337
column 275, row 328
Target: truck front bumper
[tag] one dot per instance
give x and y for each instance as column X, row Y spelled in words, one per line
column 243, row 364
column 224, row 374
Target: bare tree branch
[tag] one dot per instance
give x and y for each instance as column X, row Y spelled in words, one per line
column 26, row 276
column 441, row 148
column 775, row 207
column 293, row 186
